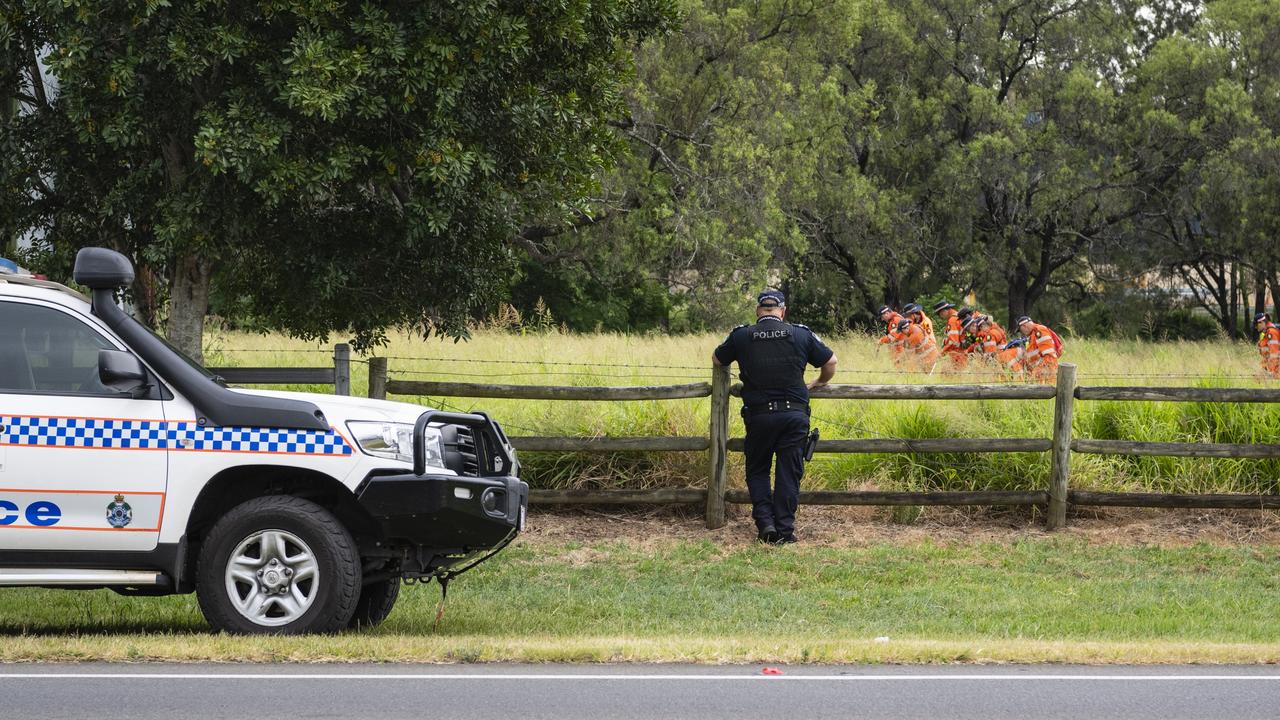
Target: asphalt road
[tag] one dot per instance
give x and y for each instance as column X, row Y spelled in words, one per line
column 564, row 692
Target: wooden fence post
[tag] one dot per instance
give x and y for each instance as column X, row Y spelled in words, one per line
column 719, row 437
column 378, row 378
column 1060, row 468
column 342, row 369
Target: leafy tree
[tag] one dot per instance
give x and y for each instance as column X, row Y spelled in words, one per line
column 1211, row 95
column 697, row 210
column 333, row 165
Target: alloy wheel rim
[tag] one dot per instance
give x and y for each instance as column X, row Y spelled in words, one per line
column 272, row 578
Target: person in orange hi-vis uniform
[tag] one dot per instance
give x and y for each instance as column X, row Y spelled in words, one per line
column 989, row 343
column 970, row 332
column 1268, row 344
column 891, row 337
column 1012, row 356
column 915, row 313
column 921, row 348
column 971, row 325
column 1041, row 353
column 952, row 344
column 988, row 337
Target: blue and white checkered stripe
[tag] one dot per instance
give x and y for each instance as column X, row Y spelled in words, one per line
column 110, row 434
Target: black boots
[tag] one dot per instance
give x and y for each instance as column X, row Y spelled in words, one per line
column 768, row 535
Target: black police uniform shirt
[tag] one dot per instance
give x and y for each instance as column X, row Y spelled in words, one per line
column 771, row 356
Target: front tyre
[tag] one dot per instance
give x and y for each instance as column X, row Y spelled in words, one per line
column 278, row 565
column 376, row 601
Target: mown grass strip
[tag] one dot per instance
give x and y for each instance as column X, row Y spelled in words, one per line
column 1051, row 599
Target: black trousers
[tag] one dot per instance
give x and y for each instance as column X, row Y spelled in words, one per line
column 780, row 435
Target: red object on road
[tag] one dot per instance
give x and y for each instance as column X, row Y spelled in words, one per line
column 771, row 671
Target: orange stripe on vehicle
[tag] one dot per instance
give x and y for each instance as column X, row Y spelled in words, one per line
column 38, row 491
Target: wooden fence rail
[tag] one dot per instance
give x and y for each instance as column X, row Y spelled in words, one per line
column 924, row 445
column 1180, row 394
column 878, row 497
column 1175, row 449
column 338, row 375
column 547, row 392
column 928, row 392
column 1056, row 496
column 611, row 444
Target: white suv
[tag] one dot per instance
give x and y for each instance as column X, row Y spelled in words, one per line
column 125, row 465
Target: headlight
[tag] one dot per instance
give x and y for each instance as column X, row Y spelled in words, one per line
column 395, row 441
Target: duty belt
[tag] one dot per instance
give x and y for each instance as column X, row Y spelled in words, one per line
column 777, row 406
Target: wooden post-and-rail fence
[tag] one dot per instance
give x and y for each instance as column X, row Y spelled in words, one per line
column 1055, row 497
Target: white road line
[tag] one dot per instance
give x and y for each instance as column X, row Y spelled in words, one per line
column 631, row 678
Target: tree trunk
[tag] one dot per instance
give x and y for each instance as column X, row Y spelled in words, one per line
column 146, row 296
column 188, row 304
column 1259, row 291
column 1275, row 293
column 1019, row 301
column 1222, row 290
column 1233, row 310
column 892, row 288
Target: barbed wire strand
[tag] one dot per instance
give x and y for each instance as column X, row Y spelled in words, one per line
column 561, row 363
column 437, row 402
column 536, row 373
column 1087, row 373
column 554, row 363
column 233, row 351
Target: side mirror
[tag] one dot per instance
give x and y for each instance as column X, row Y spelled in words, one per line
column 121, row 371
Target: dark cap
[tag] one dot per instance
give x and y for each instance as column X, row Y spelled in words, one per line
column 965, row 312
column 1260, row 317
column 903, row 324
column 884, row 309
column 913, row 307
column 771, row 298
column 1023, row 319
column 942, row 305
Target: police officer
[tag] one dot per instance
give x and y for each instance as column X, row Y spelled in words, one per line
column 771, row 357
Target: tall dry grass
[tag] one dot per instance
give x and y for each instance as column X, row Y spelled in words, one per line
column 556, row 358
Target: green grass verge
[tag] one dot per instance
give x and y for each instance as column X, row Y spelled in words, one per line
column 1042, row 599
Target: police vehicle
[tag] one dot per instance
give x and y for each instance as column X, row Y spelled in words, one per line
column 125, row 465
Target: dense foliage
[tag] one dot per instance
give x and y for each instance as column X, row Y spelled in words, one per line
column 1101, row 162
column 1112, row 166
column 324, row 165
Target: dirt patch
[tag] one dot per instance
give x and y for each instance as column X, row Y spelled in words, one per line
column 862, row 526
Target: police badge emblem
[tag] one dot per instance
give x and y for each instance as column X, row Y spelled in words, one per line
column 119, row 514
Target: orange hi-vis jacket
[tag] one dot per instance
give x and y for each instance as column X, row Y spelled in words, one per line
column 922, row 347
column 892, row 337
column 1011, row 358
column 926, row 323
column 953, row 346
column 955, row 334
column 991, row 340
column 891, row 327
column 1041, row 357
column 1269, row 349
